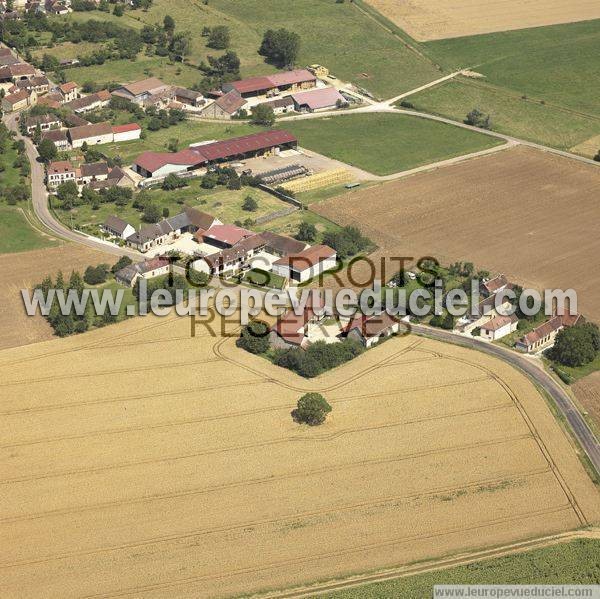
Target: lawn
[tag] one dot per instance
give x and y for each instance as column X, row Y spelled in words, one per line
column 16, row 234
column 568, row 563
column 340, row 36
column 510, row 113
column 386, row 143
column 186, row 132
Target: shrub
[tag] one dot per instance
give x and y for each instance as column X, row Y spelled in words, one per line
column 250, row 204
column 312, row 409
column 576, row 345
column 254, row 337
column 94, row 275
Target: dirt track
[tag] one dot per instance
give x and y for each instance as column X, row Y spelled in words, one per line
column 428, row 20
column 157, row 465
column 523, row 212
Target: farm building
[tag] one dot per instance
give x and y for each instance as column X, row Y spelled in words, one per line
column 288, row 81
column 543, row 336
column 159, row 164
column 39, row 84
column 59, row 138
column 116, row 226
column 369, row 330
column 499, row 327
column 318, row 99
column 318, row 71
column 188, row 96
column 19, row 100
column 307, row 264
column 93, row 171
column 44, row 121
column 16, row 72
column 92, row 134
column 126, row 132
column 147, row 269
column 281, row 105
column 225, row 236
column 141, row 92
column 225, row 107
column 88, row 103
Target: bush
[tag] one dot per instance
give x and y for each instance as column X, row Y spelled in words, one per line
column 254, row 337
column 151, row 213
column 306, row 232
column 122, row 262
column 250, row 204
column 94, row 275
column 312, row 409
column 347, row 241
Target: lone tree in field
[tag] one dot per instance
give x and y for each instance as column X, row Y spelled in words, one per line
column 281, row 47
column 254, row 337
column 250, row 204
column 476, row 118
column 312, row 409
column 219, row 37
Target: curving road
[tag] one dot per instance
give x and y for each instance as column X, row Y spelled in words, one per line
column 39, row 199
column 565, row 404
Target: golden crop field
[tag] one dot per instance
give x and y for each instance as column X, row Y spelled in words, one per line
column 24, row 269
column 428, row 20
column 529, row 214
column 140, row 462
column 587, row 391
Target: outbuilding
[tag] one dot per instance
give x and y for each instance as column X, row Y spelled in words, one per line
column 307, row 264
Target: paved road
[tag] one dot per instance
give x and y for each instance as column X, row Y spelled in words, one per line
column 39, row 198
column 565, row 404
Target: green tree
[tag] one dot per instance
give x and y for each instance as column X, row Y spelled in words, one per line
column 254, row 337
column 151, row 213
column 219, row 37
column 576, row 345
column 263, row 115
column 306, row 232
column 47, row 150
column 122, row 262
column 118, row 10
column 312, row 409
column 94, row 275
column 280, row 47
column 250, row 204
column 169, row 24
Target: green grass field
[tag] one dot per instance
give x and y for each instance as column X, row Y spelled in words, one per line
column 555, row 65
column 186, row 132
column 352, row 45
column 385, row 143
column 16, row 234
column 568, row 563
column 510, row 114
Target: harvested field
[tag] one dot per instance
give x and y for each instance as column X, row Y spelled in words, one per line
column 143, row 462
column 28, row 268
column 587, row 391
column 439, row 19
column 529, row 214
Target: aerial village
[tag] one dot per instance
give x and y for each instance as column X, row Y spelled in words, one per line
column 272, row 159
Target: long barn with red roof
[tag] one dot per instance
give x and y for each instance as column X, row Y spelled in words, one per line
column 160, row 164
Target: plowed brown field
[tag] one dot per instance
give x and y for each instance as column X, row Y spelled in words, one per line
column 439, row 19
column 139, row 462
column 24, row 269
column 529, row 214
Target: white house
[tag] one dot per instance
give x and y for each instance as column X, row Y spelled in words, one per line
column 116, row 226
column 307, row 264
column 59, row 172
column 369, row 330
column 499, row 327
column 148, row 269
column 92, row 134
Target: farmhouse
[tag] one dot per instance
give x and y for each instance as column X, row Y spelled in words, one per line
column 126, row 132
column 318, row 99
column 88, row 103
column 292, row 330
column 19, row 100
column 499, row 327
column 280, row 245
column 59, row 172
column 94, row 171
column 281, row 105
column 491, row 286
column 58, row 137
column 39, row 84
column 16, row 72
column 148, row 92
column 543, row 336
column 148, row 269
column 230, row 261
column 44, row 121
column 159, row 164
column 225, row 236
column 225, row 107
column 69, row 91
column 288, row 81
column 307, row 264
column 369, row 330
column 92, row 134
column 116, row 226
